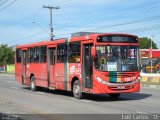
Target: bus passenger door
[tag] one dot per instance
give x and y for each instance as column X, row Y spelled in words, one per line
column 51, row 67
column 24, row 53
column 87, row 66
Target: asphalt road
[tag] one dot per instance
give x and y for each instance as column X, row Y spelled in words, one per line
column 18, row 99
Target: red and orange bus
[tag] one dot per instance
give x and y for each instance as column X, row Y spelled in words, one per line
column 89, row 63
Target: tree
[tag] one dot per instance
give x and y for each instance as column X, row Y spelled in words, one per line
column 145, row 43
column 6, row 55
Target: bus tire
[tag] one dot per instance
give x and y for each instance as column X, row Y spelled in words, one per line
column 114, row 96
column 77, row 92
column 33, row 84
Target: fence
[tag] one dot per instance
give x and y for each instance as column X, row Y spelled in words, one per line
column 2, row 68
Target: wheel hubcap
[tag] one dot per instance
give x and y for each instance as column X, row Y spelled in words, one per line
column 76, row 89
column 32, row 84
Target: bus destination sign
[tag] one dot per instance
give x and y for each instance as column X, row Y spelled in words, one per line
column 120, row 39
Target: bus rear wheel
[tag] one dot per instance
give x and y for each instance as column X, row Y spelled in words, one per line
column 33, row 84
column 77, row 92
column 114, row 96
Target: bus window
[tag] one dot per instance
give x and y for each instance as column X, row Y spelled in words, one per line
column 117, row 58
column 36, row 55
column 62, row 53
column 74, row 53
column 43, row 54
column 18, row 56
column 30, row 55
column 52, row 56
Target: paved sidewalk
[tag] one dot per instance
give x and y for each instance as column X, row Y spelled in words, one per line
column 150, row 86
column 6, row 74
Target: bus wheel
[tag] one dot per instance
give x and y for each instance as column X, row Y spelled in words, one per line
column 33, row 85
column 77, row 90
column 114, row 96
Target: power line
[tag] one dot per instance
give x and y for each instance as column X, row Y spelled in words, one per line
column 138, row 29
column 132, row 9
column 148, row 19
column 116, row 15
column 120, row 24
column 7, row 5
column 3, row 2
column 123, row 14
column 26, row 37
column 40, row 27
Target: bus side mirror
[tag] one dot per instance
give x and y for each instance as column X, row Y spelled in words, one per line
column 93, row 52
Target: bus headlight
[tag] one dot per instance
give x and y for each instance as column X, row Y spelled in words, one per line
column 136, row 81
column 100, row 80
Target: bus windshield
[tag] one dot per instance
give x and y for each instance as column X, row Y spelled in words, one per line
column 117, row 58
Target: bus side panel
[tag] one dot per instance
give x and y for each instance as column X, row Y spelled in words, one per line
column 18, row 72
column 60, row 76
column 40, row 73
column 74, row 70
column 64, row 73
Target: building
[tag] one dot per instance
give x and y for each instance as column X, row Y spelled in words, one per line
column 150, row 60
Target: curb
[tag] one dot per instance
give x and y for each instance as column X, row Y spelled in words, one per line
column 147, row 77
column 6, row 75
column 151, row 86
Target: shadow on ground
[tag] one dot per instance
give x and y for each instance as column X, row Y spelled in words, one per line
column 123, row 97
column 93, row 97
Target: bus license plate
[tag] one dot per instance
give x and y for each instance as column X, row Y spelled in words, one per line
column 121, row 87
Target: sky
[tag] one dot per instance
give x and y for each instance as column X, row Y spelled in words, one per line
column 26, row 21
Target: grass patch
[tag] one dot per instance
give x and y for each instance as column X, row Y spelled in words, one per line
column 10, row 68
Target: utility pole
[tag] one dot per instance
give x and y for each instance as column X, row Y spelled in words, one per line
column 51, row 28
column 151, row 54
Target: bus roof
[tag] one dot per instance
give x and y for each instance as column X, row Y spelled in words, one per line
column 81, row 34
column 74, row 38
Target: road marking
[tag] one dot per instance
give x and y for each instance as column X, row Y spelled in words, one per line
column 73, row 99
column 41, row 93
column 85, row 101
column 80, row 100
column 140, row 112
